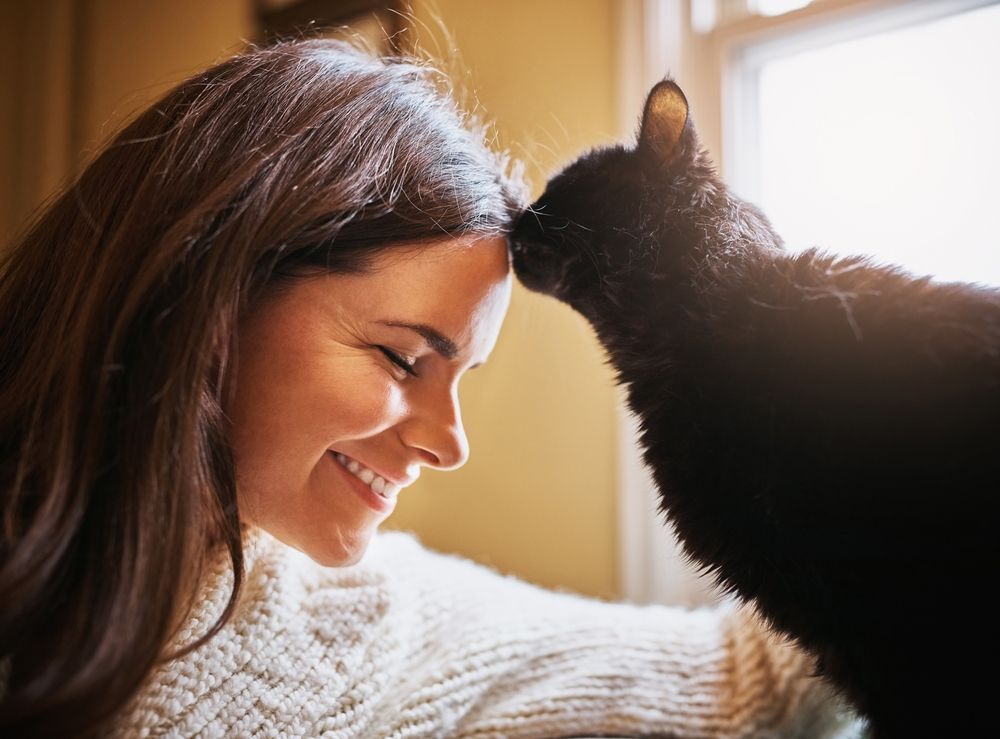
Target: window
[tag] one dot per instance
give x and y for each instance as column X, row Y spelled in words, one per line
column 877, row 136
column 858, row 126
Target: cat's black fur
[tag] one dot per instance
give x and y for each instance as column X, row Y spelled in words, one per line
column 824, row 431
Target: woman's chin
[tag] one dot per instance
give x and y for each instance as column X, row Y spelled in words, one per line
column 339, row 550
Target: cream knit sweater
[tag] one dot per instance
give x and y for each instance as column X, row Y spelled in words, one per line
column 412, row 643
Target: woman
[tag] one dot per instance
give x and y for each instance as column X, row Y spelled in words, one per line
column 226, row 348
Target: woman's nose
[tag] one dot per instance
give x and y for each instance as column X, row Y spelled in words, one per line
column 436, row 430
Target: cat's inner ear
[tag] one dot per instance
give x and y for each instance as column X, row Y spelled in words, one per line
column 663, row 120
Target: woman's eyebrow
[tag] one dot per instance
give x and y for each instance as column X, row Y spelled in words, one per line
column 434, row 338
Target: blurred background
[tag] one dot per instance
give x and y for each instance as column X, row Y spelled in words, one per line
column 862, row 126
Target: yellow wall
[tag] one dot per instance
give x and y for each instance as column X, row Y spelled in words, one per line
column 78, row 69
column 536, row 498
column 36, row 63
column 537, row 495
column 136, row 51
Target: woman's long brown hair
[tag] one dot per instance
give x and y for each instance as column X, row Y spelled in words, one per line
column 118, row 312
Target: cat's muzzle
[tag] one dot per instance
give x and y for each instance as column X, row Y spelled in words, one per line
column 539, row 258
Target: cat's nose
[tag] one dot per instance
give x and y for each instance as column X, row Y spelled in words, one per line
column 538, row 255
column 520, row 257
column 533, row 265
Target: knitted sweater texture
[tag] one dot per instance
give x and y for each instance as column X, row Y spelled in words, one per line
column 413, row 643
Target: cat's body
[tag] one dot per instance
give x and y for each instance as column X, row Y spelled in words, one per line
column 824, row 432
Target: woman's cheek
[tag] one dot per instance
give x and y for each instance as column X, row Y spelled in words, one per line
column 376, row 403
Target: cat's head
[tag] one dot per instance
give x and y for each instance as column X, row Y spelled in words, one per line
column 620, row 221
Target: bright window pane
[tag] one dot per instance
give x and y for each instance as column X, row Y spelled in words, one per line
column 777, row 7
column 889, row 145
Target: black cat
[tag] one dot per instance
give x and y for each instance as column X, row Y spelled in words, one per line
column 824, row 431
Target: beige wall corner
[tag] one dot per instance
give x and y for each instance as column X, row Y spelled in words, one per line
column 79, row 69
column 37, row 49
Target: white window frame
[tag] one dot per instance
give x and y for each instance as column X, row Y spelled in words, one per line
column 748, row 49
column 718, row 71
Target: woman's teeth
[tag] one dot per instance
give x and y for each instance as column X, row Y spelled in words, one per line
column 378, row 484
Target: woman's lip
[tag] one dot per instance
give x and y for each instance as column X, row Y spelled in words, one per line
column 398, row 483
column 374, row 501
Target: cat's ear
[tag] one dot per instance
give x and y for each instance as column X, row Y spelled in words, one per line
column 663, row 121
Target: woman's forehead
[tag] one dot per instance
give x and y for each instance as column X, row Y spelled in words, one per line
column 453, row 271
column 462, row 289
column 459, row 288
column 456, row 253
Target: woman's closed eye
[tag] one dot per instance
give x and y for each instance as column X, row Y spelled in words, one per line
column 398, row 360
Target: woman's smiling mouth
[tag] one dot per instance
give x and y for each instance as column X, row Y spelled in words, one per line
column 375, row 482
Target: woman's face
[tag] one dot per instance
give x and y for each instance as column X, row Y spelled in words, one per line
column 326, row 424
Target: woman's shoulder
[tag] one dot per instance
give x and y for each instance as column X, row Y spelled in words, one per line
column 302, row 642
